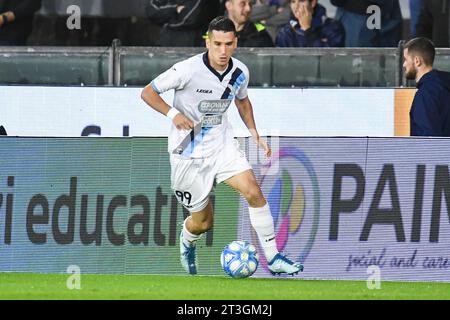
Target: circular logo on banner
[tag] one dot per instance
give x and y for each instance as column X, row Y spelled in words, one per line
column 294, row 199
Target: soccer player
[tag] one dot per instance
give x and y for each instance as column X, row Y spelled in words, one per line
column 201, row 143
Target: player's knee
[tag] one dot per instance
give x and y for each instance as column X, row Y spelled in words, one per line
column 253, row 196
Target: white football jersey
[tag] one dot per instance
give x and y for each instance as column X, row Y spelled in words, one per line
column 204, row 96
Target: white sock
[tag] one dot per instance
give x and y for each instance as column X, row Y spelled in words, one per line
column 189, row 239
column 262, row 222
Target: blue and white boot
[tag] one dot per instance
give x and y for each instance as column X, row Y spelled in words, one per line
column 281, row 264
column 187, row 256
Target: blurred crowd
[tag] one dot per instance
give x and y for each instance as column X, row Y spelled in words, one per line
column 260, row 23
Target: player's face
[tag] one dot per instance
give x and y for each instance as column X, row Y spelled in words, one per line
column 409, row 65
column 239, row 10
column 221, row 46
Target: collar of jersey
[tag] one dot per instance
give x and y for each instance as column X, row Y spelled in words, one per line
column 218, row 75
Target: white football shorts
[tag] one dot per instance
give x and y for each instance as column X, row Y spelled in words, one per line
column 192, row 179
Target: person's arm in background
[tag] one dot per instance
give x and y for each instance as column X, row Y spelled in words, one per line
column 282, row 39
column 22, row 9
column 263, row 39
column 415, row 7
column 161, row 11
column 424, row 27
column 266, row 40
column 194, row 13
column 334, row 33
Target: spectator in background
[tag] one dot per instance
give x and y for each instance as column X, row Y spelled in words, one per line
column 2, row 131
column 16, row 20
column 430, row 110
column 353, row 15
column 414, row 9
column 184, row 22
column 249, row 34
column 310, row 27
column 434, row 22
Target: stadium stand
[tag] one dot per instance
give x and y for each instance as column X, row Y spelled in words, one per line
column 132, row 59
column 274, row 67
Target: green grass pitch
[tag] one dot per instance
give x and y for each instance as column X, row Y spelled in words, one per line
column 53, row 286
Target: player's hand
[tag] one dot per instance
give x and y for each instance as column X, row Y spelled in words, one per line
column 182, row 122
column 263, row 144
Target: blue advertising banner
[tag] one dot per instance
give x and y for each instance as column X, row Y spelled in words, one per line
column 343, row 206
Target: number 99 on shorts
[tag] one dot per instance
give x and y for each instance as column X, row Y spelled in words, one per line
column 184, row 197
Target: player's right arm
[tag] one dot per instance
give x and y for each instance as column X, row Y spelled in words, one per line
column 154, row 100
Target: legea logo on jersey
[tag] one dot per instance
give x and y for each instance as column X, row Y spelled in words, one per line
column 204, row 91
column 294, row 198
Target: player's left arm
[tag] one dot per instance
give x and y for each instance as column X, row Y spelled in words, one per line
column 246, row 112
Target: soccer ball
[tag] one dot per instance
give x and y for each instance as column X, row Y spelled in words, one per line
column 239, row 259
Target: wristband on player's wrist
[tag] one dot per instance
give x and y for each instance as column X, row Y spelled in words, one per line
column 172, row 113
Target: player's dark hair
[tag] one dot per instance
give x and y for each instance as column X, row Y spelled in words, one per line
column 223, row 24
column 422, row 47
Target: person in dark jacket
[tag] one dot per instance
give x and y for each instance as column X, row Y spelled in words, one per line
column 430, row 110
column 3, row 131
column 434, row 22
column 16, row 21
column 415, row 6
column 310, row 27
column 249, row 34
column 353, row 14
column 183, row 22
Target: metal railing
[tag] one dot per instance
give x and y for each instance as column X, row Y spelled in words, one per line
column 269, row 67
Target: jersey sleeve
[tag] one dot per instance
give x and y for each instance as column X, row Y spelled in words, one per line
column 174, row 78
column 242, row 93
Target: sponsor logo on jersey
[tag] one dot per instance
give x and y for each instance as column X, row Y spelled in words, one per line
column 214, row 106
column 204, row 91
